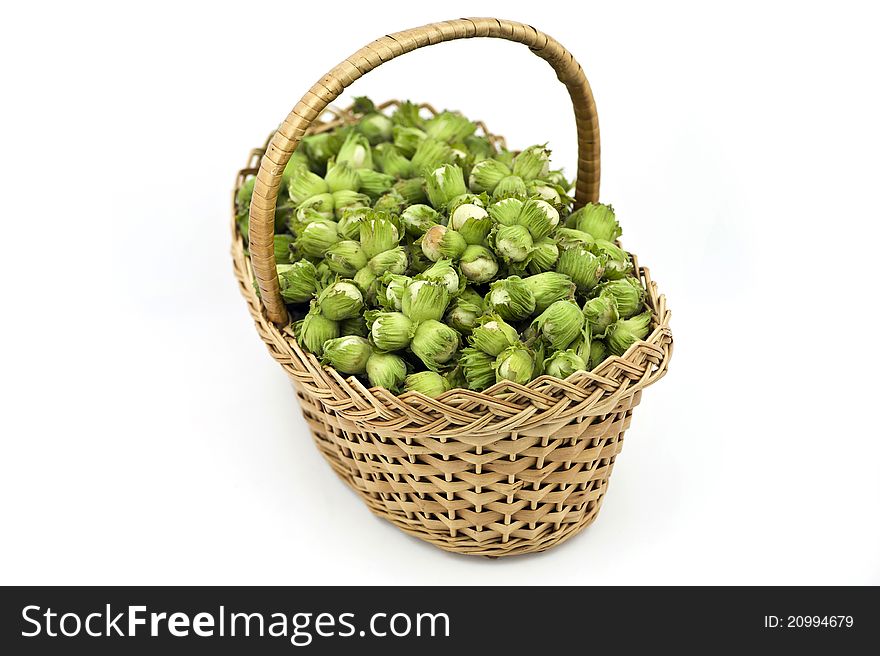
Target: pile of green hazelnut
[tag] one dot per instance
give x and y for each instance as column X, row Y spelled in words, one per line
column 418, row 255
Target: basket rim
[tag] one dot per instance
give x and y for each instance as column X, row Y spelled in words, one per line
column 616, row 376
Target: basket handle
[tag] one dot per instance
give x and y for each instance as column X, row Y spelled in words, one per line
column 329, row 87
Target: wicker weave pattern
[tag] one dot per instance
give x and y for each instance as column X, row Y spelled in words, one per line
column 510, row 470
column 514, row 469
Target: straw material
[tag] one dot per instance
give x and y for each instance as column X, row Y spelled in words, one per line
column 511, row 470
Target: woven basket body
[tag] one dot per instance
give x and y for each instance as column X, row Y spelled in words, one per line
column 513, row 469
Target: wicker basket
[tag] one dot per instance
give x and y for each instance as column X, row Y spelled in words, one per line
column 511, row 470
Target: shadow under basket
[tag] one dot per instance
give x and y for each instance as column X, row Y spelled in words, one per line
column 511, row 470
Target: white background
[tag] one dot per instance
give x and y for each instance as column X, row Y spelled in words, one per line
column 148, row 437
